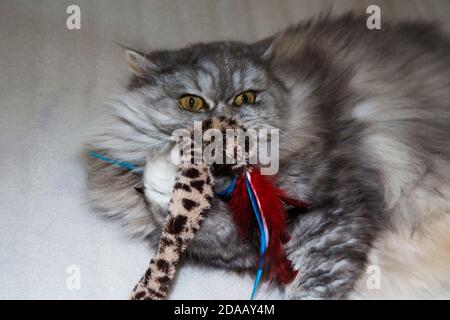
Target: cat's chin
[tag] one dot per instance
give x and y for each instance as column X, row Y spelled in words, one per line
column 159, row 177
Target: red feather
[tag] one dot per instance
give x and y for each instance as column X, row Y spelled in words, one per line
column 273, row 211
column 270, row 198
column 240, row 206
column 294, row 202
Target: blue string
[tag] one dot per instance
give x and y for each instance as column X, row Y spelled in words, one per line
column 118, row 163
column 263, row 245
column 229, row 190
column 262, row 237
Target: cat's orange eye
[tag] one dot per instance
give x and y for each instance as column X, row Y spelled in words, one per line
column 247, row 97
column 192, row 103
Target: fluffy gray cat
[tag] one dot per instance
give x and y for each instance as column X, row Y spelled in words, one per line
column 365, row 136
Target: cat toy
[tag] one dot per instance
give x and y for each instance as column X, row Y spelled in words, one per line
column 254, row 195
column 251, row 197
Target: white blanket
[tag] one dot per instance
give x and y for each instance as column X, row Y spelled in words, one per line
column 52, row 84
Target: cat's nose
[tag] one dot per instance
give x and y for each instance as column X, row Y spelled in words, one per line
column 222, row 109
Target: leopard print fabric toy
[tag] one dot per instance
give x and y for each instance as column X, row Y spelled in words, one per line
column 189, row 205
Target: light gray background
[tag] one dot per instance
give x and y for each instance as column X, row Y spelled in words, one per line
column 52, row 84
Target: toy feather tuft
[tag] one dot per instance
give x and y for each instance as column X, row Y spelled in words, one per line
column 269, row 199
column 275, row 216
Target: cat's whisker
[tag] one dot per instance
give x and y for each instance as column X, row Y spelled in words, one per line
column 289, row 136
column 270, row 127
column 159, row 144
column 290, row 139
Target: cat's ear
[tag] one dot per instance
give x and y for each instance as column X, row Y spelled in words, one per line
column 139, row 64
column 264, row 48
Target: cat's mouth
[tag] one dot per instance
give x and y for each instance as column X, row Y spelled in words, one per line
column 226, row 145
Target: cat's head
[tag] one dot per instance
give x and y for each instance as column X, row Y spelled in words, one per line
column 171, row 89
column 205, row 80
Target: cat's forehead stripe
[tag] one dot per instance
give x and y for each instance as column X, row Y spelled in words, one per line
column 211, row 68
column 206, row 83
column 237, row 79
